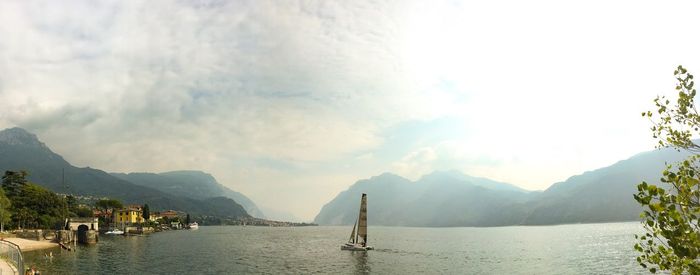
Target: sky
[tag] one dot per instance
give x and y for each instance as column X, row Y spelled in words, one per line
column 291, row 102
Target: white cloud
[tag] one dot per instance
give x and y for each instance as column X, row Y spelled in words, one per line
column 416, row 163
column 133, row 86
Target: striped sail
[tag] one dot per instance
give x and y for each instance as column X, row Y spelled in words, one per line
column 362, row 222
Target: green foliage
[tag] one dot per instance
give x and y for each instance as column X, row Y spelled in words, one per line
column 12, row 182
column 5, row 214
column 107, row 204
column 33, row 205
column 47, row 210
column 77, row 210
column 148, row 224
column 187, row 219
column 146, row 212
column 71, row 202
column 83, row 212
column 672, row 240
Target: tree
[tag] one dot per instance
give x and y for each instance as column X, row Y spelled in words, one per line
column 71, row 202
column 12, row 182
column 76, row 209
column 22, row 215
column 5, row 213
column 187, row 219
column 44, row 208
column 32, row 205
column 146, row 212
column 106, row 205
column 83, row 212
column 671, row 210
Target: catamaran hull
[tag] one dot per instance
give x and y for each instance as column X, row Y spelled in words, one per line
column 354, row 247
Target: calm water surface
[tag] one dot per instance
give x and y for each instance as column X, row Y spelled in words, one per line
column 563, row 249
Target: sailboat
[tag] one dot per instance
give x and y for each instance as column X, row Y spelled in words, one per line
column 358, row 238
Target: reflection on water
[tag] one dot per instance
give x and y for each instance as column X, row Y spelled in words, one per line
column 566, row 249
column 360, row 258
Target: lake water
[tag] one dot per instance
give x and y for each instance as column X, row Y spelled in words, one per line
column 562, row 249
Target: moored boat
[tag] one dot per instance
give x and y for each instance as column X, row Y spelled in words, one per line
column 114, row 232
column 193, row 225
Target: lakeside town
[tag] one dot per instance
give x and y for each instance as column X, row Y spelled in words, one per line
column 33, row 218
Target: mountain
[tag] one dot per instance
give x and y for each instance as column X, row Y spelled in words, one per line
column 281, row 215
column 439, row 199
column 476, row 181
column 195, row 184
column 21, row 150
column 454, row 199
column 602, row 195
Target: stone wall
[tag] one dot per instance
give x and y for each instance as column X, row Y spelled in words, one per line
column 65, row 236
column 34, row 234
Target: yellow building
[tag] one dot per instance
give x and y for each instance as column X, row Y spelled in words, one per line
column 154, row 217
column 128, row 215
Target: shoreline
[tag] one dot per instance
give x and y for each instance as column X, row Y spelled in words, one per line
column 31, row 245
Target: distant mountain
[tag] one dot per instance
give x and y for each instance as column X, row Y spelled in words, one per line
column 454, row 199
column 439, row 199
column 281, row 215
column 602, row 195
column 476, row 181
column 195, row 184
column 21, row 150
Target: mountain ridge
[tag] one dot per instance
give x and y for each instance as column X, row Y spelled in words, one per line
column 194, row 183
column 22, row 150
column 450, row 198
column 397, row 201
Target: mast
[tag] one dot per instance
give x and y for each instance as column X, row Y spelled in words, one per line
column 362, row 221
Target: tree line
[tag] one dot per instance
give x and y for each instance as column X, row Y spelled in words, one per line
column 27, row 205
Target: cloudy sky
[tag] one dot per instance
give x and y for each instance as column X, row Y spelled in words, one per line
column 290, row 102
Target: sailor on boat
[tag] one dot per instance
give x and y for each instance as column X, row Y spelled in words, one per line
column 358, row 239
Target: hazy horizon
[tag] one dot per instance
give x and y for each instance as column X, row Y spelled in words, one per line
column 290, row 103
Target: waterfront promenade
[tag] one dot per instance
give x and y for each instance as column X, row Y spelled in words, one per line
column 6, row 268
column 24, row 245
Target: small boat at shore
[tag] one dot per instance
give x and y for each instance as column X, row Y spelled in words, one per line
column 114, row 232
column 358, row 238
column 193, row 225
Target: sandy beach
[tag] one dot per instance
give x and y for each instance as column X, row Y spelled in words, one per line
column 29, row 245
